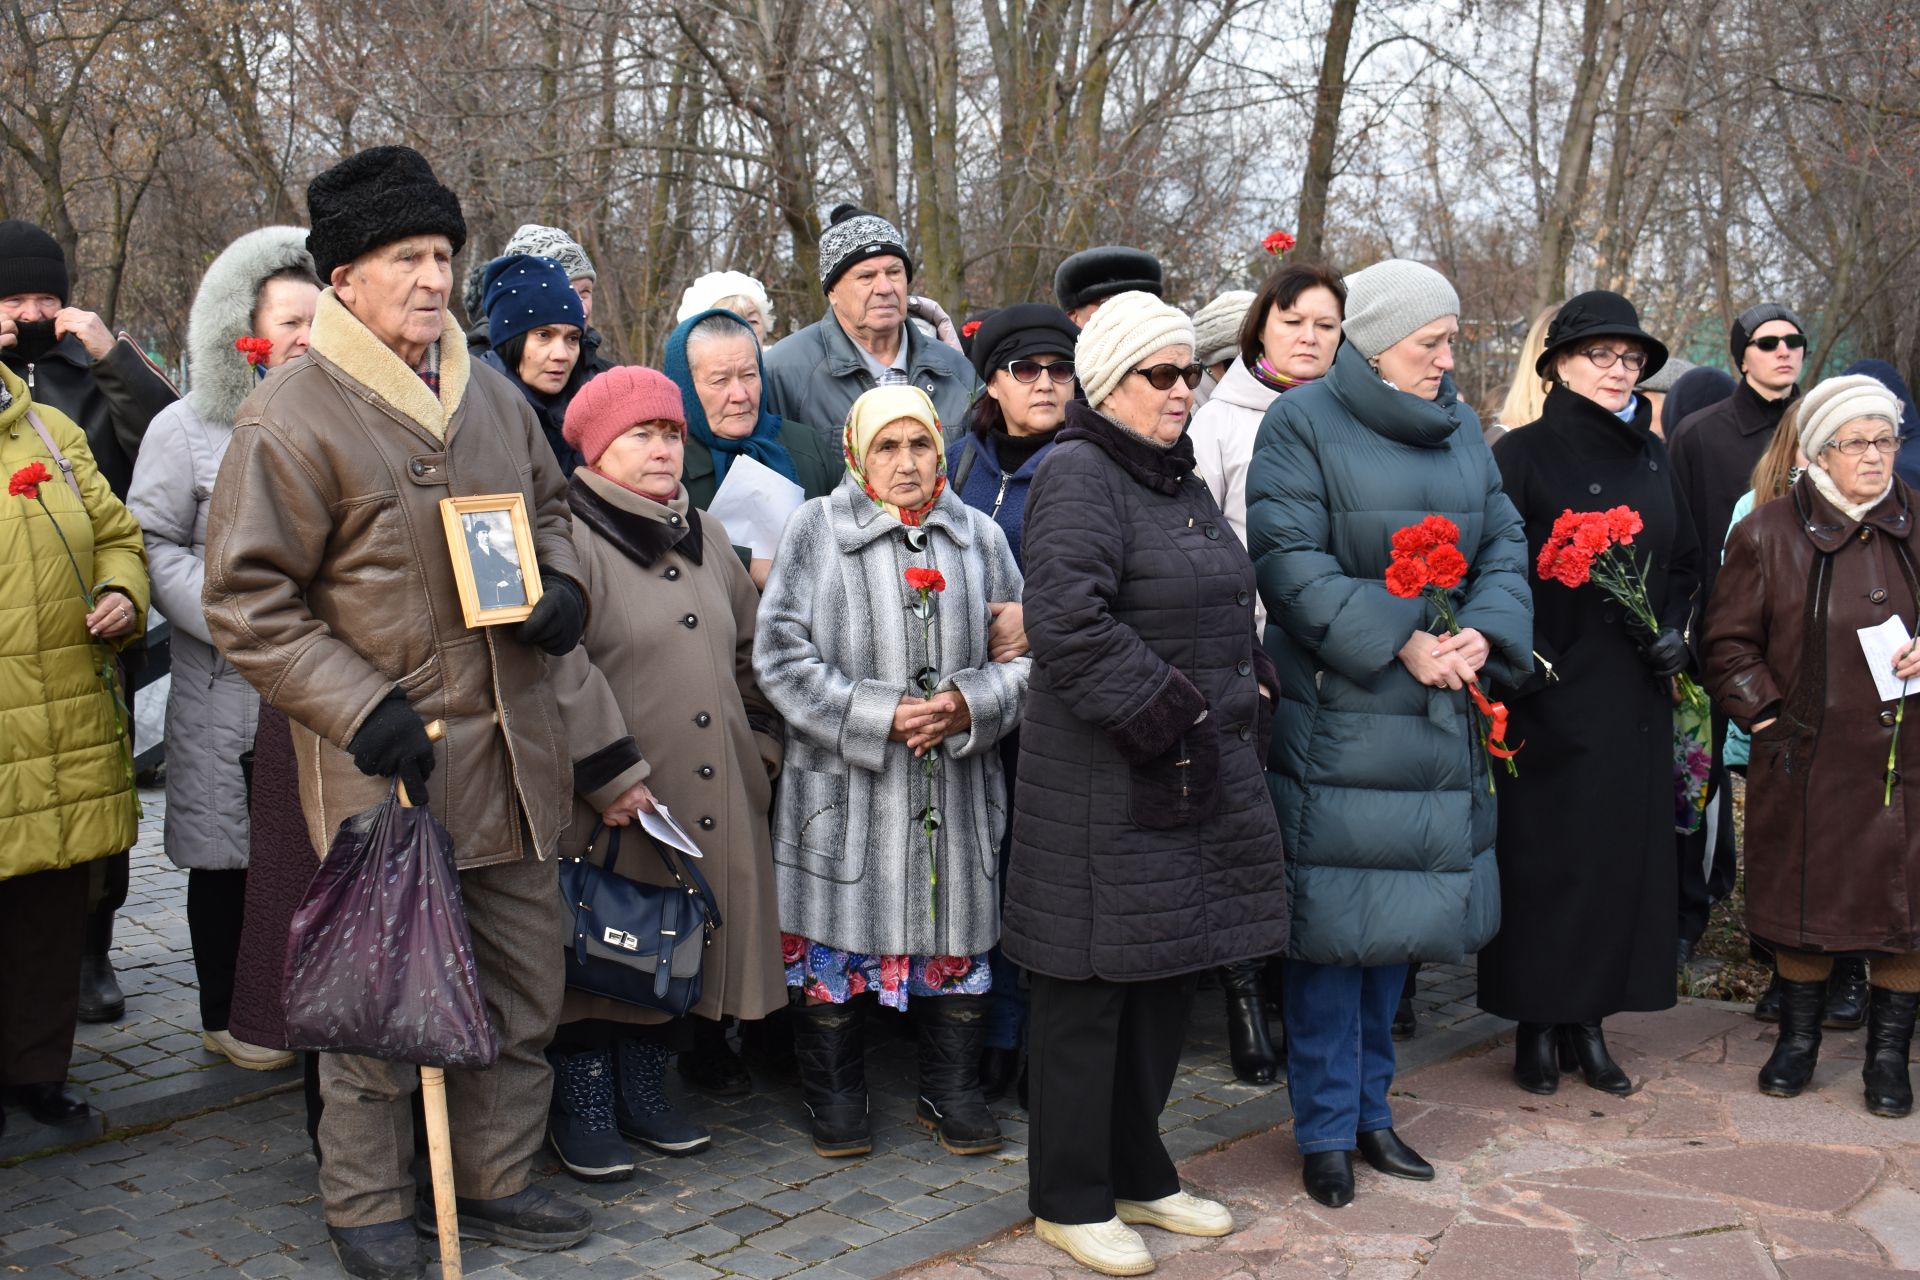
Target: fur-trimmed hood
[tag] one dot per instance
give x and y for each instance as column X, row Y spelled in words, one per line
column 219, row 377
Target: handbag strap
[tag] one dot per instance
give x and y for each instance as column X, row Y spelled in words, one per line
column 674, row 862
column 59, row 458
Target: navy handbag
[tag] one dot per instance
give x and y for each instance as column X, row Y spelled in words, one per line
column 640, row 944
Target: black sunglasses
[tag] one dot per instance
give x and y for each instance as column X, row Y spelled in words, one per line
column 1162, row 376
column 1060, row 371
column 1793, row 340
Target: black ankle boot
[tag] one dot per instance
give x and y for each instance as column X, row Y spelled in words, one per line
column 1802, row 1005
column 828, row 1045
column 953, row 1031
column 1582, row 1045
column 1329, row 1177
column 1889, row 1039
column 1250, row 1043
column 1536, row 1065
column 1767, row 1007
column 1846, row 996
column 101, row 999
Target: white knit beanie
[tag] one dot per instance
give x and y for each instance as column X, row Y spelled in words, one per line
column 718, row 286
column 1216, row 326
column 1838, row 401
column 1391, row 299
column 1126, row 329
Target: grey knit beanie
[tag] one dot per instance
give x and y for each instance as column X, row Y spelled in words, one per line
column 1391, row 299
column 1669, row 374
column 551, row 242
column 1216, row 326
column 853, row 235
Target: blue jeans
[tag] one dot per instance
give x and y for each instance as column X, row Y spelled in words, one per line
column 1007, row 1015
column 1339, row 1050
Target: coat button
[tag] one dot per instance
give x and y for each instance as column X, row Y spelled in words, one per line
column 1212, row 531
column 1246, row 733
column 1879, row 595
column 1886, row 718
column 674, row 520
column 703, row 719
column 673, row 575
column 1643, row 726
column 1245, row 668
column 705, row 771
column 706, row 824
column 1242, row 596
column 689, row 622
column 1652, row 465
column 419, row 468
column 1593, row 488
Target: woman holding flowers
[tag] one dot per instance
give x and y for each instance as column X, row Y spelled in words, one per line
column 1833, row 856
column 872, row 643
column 1588, row 881
column 73, row 575
column 1377, row 767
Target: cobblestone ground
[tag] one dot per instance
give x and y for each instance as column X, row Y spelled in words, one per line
column 1697, row 1176
column 232, row 1190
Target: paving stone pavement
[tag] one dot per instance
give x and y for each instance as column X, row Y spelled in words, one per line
column 232, row 1190
column 1697, row 1176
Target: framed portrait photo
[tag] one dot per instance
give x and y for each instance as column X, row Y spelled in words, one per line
column 493, row 563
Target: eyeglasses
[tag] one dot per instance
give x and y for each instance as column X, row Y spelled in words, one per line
column 1885, row 446
column 1603, row 358
column 1162, row 376
column 1059, row 372
column 1793, row 341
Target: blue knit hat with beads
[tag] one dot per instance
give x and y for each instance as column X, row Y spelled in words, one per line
column 522, row 292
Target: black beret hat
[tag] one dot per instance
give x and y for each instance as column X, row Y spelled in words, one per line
column 376, row 197
column 1101, row 272
column 1028, row 329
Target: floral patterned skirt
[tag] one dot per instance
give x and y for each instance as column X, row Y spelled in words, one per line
column 828, row 973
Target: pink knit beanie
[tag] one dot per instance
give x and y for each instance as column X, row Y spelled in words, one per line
column 616, row 402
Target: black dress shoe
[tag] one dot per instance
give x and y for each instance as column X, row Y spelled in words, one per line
column 49, row 1103
column 1846, row 996
column 1383, row 1149
column 1536, row 1066
column 1582, row 1045
column 383, row 1251
column 1329, row 1177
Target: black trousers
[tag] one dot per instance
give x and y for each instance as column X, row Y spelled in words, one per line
column 215, row 903
column 1707, row 869
column 40, row 945
column 1102, row 1057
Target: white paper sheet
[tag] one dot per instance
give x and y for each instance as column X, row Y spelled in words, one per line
column 755, row 502
column 1883, row 645
column 660, row 825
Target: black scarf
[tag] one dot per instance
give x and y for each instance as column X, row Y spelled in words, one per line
column 1162, row 470
column 640, row 539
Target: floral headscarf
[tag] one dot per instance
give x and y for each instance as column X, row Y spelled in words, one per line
column 872, row 413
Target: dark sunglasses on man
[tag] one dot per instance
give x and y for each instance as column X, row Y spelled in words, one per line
column 1059, row 372
column 1161, row 377
column 1793, row 341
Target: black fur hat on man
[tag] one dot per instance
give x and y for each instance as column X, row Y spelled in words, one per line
column 1100, row 272
column 373, row 198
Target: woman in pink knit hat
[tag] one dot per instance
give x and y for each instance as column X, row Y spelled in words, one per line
column 671, row 636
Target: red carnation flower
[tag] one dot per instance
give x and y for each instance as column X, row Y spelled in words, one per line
column 1446, row 566
column 926, row 580
column 1277, row 242
column 1623, row 523
column 1441, row 529
column 1414, row 540
column 256, row 350
column 1407, row 577
column 1592, row 537
column 970, row 328
column 27, row 480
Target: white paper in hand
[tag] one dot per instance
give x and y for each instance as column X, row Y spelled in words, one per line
column 659, row 824
column 754, row 503
column 1883, row 645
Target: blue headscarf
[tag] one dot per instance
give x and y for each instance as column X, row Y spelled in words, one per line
column 763, row 446
column 1907, row 463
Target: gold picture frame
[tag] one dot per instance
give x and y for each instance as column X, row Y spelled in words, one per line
column 494, row 588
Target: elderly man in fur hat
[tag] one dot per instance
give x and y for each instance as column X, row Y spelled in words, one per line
column 329, row 586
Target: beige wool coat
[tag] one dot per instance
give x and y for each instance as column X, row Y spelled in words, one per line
column 671, row 638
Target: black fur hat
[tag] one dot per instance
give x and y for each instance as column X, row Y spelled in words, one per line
column 1101, row 272
column 373, row 198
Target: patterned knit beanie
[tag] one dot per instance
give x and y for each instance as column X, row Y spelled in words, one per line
column 854, row 235
column 552, row 242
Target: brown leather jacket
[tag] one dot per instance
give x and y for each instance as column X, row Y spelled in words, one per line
column 328, row 581
column 1830, row 867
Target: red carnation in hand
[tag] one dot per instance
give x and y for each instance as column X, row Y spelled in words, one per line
column 1623, row 523
column 926, row 580
column 1592, row 537
column 1414, row 540
column 1446, row 566
column 1407, row 578
column 1277, row 242
column 1441, row 529
column 27, row 480
column 256, row 350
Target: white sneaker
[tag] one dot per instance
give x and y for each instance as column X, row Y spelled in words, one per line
column 241, row 1054
column 1108, row 1247
column 1180, row 1212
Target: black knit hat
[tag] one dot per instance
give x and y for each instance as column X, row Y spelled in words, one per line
column 31, row 261
column 373, row 198
column 1027, row 329
column 854, row 235
column 1093, row 274
column 1599, row 313
column 1752, row 318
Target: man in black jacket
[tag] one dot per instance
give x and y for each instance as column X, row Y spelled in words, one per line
column 73, row 363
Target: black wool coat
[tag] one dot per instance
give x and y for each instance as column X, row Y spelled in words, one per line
column 112, row 399
column 1715, row 450
column 1144, row 842
column 1588, row 879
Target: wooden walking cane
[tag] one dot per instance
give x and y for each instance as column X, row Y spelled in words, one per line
column 433, row 1101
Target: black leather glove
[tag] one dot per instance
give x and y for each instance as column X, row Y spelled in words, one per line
column 1665, row 654
column 393, row 742
column 560, row 619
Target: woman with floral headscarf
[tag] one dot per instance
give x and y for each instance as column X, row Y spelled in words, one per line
column 872, row 643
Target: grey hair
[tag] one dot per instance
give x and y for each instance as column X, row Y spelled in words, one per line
column 714, row 327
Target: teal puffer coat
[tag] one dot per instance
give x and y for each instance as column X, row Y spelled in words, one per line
column 1380, row 782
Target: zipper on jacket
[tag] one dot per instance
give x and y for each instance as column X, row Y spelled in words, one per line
column 1000, row 497
column 30, row 369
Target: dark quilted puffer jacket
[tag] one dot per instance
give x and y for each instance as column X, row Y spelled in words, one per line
column 1144, row 843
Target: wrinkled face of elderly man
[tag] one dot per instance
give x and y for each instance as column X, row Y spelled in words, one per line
column 399, row 291
column 870, row 302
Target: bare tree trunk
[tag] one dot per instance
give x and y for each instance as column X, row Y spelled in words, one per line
column 1599, row 50
column 1311, row 225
